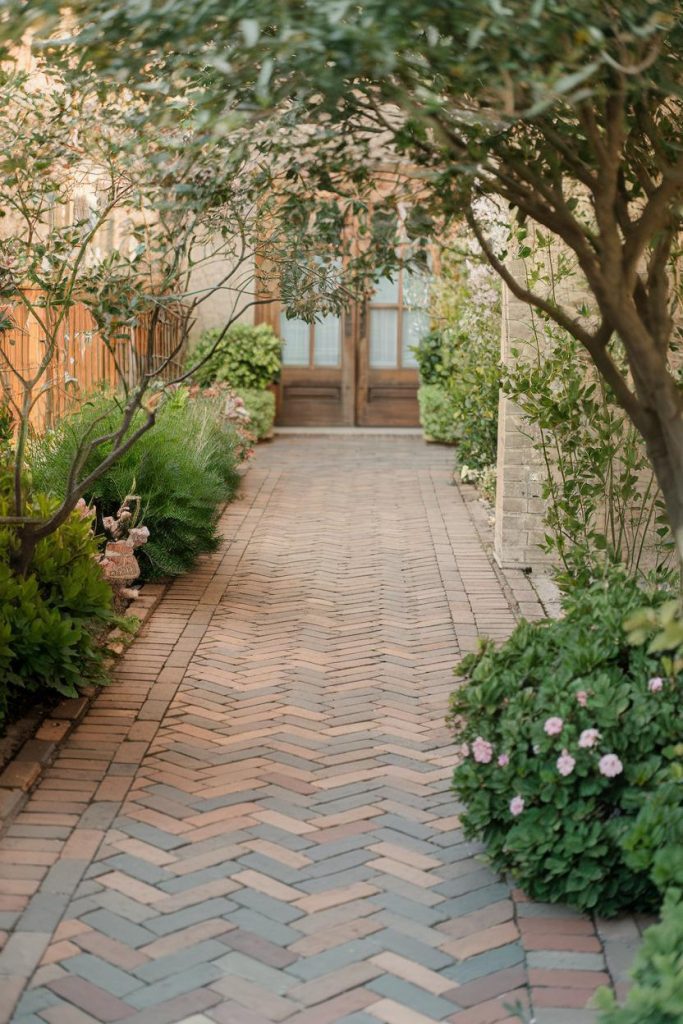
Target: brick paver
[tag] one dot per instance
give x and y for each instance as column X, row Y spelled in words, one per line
column 254, row 823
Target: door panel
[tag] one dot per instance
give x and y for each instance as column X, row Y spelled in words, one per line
column 387, row 371
column 318, row 369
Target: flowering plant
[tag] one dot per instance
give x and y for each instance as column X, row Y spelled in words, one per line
column 564, row 732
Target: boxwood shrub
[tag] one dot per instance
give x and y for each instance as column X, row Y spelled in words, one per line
column 563, row 730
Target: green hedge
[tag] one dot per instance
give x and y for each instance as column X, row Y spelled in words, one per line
column 437, row 413
column 656, row 996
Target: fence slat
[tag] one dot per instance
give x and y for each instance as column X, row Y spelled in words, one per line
column 81, row 361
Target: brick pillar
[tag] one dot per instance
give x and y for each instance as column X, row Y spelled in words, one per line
column 520, row 472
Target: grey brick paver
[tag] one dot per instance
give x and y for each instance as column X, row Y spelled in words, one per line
column 280, row 721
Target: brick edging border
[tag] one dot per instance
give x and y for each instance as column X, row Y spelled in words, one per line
column 25, row 768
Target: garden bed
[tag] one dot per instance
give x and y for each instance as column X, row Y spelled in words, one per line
column 32, row 740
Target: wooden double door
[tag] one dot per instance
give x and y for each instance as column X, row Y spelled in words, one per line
column 356, row 369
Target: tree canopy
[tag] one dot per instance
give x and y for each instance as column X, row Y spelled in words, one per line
column 567, row 113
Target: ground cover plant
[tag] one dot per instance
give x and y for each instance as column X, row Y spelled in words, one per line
column 564, row 729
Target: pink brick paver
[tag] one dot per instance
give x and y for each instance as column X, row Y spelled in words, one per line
column 253, row 823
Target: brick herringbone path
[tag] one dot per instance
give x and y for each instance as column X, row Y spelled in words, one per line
column 254, row 822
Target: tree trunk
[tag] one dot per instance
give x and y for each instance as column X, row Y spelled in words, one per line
column 20, row 560
column 666, row 455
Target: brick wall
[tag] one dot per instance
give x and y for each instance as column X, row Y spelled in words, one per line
column 519, row 505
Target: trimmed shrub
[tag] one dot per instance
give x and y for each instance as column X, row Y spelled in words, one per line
column 183, row 469
column 564, row 728
column 437, row 416
column 247, row 357
column 261, row 408
column 50, row 618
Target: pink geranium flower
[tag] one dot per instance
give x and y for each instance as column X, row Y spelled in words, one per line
column 503, row 760
column 655, row 684
column 482, row 750
column 589, row 737
column 516, row 806
column 609, row 765
column 553, row 726
column 565, row 763
column 582, row 698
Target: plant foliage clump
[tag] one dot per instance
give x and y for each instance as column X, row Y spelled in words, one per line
column 50, row 617
column 247, row 357
column 184, row 470
column 437, row 415
column 261, row 408
column 564, row 730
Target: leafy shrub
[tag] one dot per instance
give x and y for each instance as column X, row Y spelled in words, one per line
column 565, row 728
column 602, row 504
column 656, row 996
column 247, row 357
column 261, row 408
column 49, row 618
column 433, row 357
column 183, row 469
column 474, row 387
column 437, row 416
column 653, row 844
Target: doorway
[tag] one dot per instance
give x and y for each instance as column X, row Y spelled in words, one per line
column 354, row 370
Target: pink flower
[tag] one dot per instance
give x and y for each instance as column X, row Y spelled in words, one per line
column 516, row 806
column 565, row 763
column 655, row 684
column 610, row 766
column 503, row 760
column 482, row 750
column 589, row 737
column 553, row 726
column 582, row 698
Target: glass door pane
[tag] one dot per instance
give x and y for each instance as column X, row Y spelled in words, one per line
column 296, row 336
column 327, row 342
column 383, row 338
column 415, row 326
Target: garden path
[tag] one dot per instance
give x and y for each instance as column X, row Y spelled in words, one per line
column 253, row 823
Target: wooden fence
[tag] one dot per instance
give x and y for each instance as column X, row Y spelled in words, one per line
column 81, row 362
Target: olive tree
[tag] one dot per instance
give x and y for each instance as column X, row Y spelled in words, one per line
column 136, row 221
column 568, row 113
